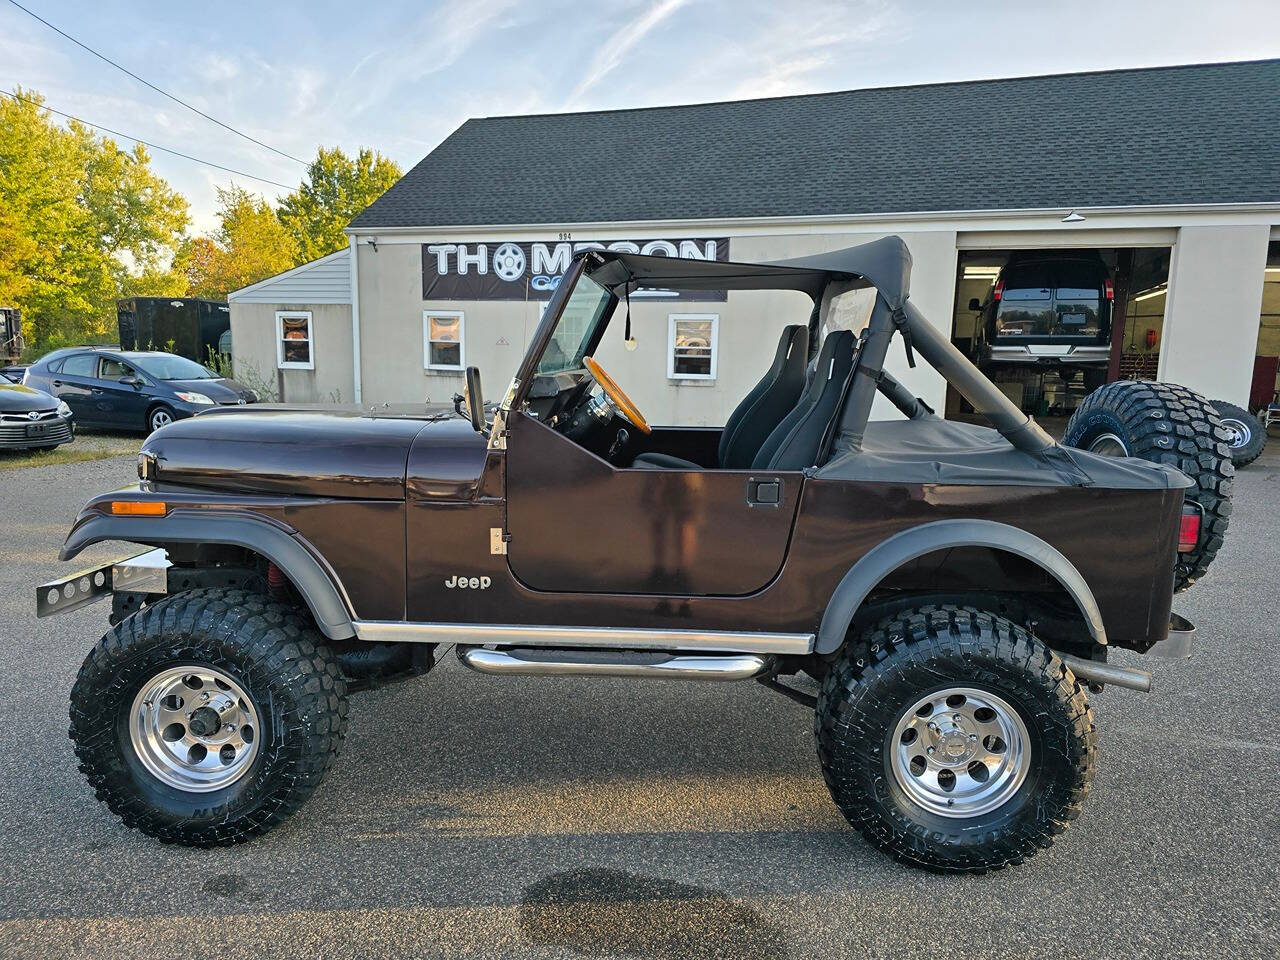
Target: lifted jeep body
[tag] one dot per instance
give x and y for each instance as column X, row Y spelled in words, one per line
column 955, row 588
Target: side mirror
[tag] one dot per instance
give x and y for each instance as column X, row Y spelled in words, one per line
column 975, row 304
column 473, row 399
column 131, row 381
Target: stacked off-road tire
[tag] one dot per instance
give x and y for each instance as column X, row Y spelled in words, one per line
column 1168, row 424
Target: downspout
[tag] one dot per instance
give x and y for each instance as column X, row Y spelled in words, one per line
column 355, row 318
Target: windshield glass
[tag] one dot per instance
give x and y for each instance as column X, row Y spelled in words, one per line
column 582, row 314
column 171, row 367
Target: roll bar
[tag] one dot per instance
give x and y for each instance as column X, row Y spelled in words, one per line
column 924, row 338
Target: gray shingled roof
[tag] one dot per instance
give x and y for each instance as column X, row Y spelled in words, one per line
column 1172, row 135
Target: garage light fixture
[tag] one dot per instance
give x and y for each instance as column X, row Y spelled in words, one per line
column 1148, row 294
column 981, row 273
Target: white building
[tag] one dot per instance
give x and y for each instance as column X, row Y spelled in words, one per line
column 1172, row 174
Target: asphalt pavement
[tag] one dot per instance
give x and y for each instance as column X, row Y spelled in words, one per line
column 491, row 817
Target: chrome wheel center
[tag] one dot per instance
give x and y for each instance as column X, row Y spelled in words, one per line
column 960, row 752
column 1238, row 434
column 194, row 728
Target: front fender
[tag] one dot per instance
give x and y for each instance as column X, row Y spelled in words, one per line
column 317, row 583
column 907, row 545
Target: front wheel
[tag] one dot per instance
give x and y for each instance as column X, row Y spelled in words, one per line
column 208, row 717
column 955, row 740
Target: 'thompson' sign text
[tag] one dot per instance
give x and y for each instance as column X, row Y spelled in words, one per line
column 502, row 270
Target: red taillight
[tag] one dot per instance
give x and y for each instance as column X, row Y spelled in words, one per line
column 1109, row 289
column 999, row 291
column 1189, row 530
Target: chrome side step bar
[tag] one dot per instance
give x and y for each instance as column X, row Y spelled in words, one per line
column 616, row 638
column 544, row 662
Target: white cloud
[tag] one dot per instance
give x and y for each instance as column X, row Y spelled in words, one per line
column 621, row 43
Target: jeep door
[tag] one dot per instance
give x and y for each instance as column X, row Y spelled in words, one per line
column 577, row 524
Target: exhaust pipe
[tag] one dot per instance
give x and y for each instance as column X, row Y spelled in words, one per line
column 545, row 662
column 1095, row 672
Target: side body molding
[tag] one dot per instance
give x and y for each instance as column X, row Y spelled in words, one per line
column 314, row 581
column 907, row 545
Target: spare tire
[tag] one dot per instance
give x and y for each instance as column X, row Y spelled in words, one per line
column 1168, row 424
column 1245, row 434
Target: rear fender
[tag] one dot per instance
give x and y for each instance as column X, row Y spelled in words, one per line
column 314, row 579
column 907, row 545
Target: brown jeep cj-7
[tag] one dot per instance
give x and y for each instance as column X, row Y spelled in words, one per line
column 954, row 589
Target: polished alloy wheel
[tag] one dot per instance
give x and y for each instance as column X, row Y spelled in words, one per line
column 960, row 752
column 194, row 728
column 1109, row 445
column 160, row 418
column 1238, row 432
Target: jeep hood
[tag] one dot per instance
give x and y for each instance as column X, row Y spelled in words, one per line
column 287, row 452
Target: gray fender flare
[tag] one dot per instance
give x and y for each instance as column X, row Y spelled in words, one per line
column 318, row 584
column 907, row 545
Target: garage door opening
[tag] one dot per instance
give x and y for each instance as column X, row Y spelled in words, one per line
column 1050, row 326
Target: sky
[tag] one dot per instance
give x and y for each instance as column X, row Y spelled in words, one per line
column 400, row 76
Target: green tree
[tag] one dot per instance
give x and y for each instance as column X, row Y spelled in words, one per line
column 336, row 189
column 78, row 215
column 250, row 245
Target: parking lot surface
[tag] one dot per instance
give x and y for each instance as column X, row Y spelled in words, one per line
column 493, row 817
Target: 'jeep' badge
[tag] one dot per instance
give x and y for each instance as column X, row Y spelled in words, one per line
column 468, row 583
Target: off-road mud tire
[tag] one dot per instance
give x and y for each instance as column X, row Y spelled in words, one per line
column 272, row 652
column 1168, row 424
column 911, row 654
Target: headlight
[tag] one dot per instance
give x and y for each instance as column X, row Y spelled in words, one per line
column 198, row 398
column 63, row 409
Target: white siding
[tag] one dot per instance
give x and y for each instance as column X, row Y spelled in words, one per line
column 327, row 280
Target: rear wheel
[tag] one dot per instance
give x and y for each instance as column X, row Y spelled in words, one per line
column 1168, row 424
column 1245, row 435
column 209, row 717
column 955, row 740
column 158, row 417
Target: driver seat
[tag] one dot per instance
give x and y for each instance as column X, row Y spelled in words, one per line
column 758, row 415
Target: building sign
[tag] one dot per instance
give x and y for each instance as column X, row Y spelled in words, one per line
column 501, row 270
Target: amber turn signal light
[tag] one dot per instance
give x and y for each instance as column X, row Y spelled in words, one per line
column 138, row 508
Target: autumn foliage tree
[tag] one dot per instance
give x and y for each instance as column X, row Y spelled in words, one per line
column 250, row 245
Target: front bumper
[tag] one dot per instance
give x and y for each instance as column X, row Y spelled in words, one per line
column 146, row 572
column 19, row 433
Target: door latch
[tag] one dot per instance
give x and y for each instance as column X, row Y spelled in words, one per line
column 498, row 541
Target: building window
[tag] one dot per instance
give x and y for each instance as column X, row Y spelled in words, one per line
column 444, row 341
column 294, row 341
column 691, row 353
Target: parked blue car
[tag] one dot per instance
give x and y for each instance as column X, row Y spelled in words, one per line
column 132, row 390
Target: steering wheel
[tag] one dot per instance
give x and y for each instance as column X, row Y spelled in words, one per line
column 616, row 394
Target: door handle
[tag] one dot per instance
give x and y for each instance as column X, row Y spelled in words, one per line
column 764, row 492
column 98, row 390
column 57, row 383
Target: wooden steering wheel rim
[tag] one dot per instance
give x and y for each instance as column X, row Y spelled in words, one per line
column 617, row 395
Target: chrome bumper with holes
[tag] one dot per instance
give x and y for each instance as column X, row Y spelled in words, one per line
column 146, row 572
